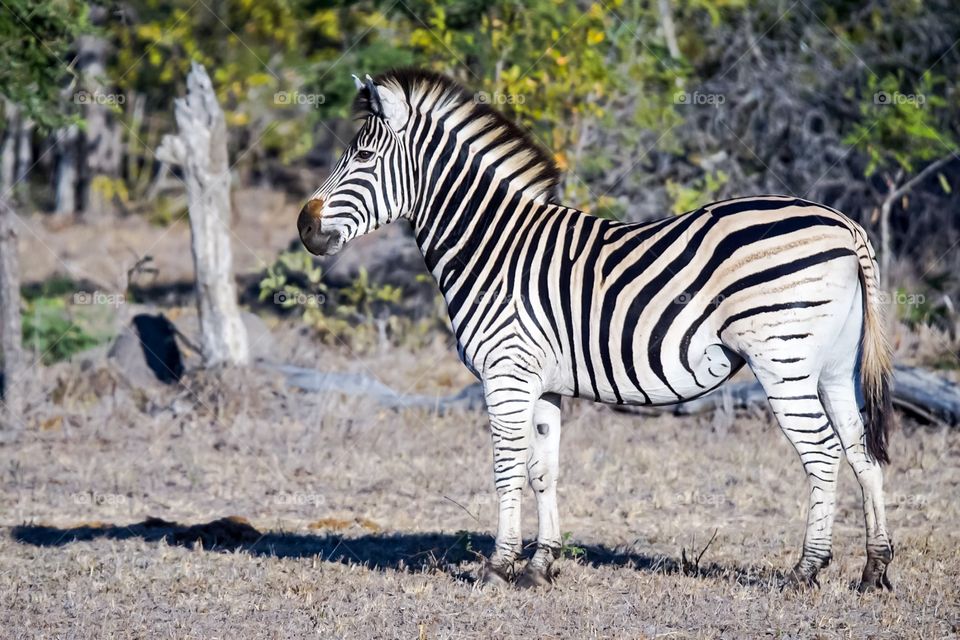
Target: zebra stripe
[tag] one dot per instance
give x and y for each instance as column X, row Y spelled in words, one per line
column 546, row 301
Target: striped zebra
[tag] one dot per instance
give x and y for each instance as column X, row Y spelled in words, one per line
column 547, row 301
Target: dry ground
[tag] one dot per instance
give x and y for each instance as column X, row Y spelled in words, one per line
column 354, row 522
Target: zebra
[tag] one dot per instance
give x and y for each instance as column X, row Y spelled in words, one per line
column 547, row 301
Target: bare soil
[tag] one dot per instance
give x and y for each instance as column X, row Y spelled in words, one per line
column 232, row 507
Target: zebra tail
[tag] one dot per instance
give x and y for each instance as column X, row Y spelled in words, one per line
column 876, row 365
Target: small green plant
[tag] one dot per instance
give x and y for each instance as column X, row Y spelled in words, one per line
column 570, row 550
column 929, row 308
column 363, row 298
column 463, row 548
column 294, row 281
column 54, row 332
column 166, row 210
column 687, row 197
column 361, row 315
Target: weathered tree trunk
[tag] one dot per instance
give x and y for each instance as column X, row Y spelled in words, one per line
column 8, row 149
column 24, row 158
column 201, row 149
column 10, row 331
column 67, row 171
column 101, row 136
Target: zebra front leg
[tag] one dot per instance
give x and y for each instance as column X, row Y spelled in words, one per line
column 510, row 408
column 543, row 471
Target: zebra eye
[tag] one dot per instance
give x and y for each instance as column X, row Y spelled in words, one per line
column 363, row 155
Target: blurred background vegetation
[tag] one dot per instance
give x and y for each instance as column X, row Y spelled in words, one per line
column 650, row 107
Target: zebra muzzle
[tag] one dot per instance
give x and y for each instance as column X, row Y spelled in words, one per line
column 316, row 241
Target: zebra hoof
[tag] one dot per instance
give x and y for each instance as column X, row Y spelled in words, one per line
column 874, row 577
column 535, row 578
column 799, row 580
column 493, row 577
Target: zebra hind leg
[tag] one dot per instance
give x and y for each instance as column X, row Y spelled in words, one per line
column 804, row 421
column 543, row 469
column 839, row 397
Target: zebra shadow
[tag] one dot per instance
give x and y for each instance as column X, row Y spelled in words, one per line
column 452, row 553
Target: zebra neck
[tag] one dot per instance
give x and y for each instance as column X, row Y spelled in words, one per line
column 469, row 245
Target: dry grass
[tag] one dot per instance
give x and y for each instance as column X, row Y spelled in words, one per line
column 349, row 522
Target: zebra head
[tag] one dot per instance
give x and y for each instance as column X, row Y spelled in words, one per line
column 369, row 185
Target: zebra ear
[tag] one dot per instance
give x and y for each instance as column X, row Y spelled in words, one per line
column 356, row 82
column 376, row 107
column 389, row 104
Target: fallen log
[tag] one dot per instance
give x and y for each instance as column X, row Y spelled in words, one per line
column 358, row 384
column 917, row 392
column 926, row 395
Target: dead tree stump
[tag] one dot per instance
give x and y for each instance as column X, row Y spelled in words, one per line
column 200, row 148
column 10, row 330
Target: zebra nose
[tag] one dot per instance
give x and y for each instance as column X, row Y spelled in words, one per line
column 311, row 234
column 309, row 219
column 308, row 222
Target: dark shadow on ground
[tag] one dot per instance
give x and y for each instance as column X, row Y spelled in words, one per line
column 446, row 552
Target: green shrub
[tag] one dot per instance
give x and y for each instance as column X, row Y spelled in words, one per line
column 56, row 332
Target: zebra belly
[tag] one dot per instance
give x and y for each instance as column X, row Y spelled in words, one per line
column 711, row 366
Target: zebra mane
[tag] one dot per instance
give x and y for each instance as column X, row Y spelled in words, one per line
column 427, row 92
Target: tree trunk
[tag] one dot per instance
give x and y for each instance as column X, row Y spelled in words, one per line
column 67, row 171
column 24, row 158
column 201, row 149
column 8, row 149
column 101, row 136
column 10, row 330
column 896, row 191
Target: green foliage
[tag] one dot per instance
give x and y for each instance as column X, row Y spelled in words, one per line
column 687, row 197
column 570, row 550
column 901, row 125
column 165, row 211
column 360, row 314
column 35, row 36
column 55, row 332
column 463, row 548
column 931, row 308
column 362, row 297
column 557, row 67
column 54, row 328
column 280, row 67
